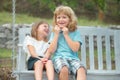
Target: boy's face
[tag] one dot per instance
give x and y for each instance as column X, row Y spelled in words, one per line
column 62, row 20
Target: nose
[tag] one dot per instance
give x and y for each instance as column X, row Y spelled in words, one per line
column 47, row 28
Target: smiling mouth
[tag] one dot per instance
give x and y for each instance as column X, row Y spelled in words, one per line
column 46, row 31
column 61, row 23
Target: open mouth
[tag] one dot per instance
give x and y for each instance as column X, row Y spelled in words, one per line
column 46, row 31
column 61, row 24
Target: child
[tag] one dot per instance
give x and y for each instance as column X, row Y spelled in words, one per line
column 38, row 56
column 65, row 42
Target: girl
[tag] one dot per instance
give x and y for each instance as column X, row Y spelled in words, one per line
column 65, row 43
column 38, row 56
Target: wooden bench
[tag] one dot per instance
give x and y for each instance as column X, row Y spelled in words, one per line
column 100, row 53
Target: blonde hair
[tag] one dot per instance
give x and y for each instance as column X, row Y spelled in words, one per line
column 72, row 26
column 35, row 27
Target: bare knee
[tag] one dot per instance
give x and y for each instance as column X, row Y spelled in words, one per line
column 81, row 73
column 64, row 70
column 38, row 63
column 81, row 70
column 63, row 73
column 49, row 62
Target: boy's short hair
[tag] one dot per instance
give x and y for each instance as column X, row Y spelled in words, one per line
column 70, row 13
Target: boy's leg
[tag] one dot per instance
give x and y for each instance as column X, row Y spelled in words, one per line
column 49, row 70
column 38, row 68
column 81, row 74
column 78, row 69
column 62, row 68
column 63, row 75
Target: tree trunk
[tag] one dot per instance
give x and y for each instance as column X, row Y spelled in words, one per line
column 100, row 15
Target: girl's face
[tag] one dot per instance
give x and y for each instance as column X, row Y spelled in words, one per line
column 62, row 20
column 43, row 30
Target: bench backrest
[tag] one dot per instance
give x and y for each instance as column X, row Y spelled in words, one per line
column 99, row 51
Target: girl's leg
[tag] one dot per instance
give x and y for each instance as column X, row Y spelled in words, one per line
column 49, row 70
column 81, row 74
column 38, row 68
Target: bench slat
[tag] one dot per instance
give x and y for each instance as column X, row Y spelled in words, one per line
column 91, row 52
column 83, row 51
column 22, row 33
column 117, row 49
column 108, row 52
column 99, row 51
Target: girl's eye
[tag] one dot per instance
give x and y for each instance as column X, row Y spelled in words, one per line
column 45, row 26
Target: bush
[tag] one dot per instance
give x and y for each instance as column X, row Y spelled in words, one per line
column 6, row 69
column 5, row 73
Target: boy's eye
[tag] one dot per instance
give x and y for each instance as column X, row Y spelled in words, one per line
column 64, row 17
column 58, row 17
column 61, row 17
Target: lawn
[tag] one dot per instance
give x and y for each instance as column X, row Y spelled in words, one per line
column 5, row 53
column 6, row 17
column 5, row 57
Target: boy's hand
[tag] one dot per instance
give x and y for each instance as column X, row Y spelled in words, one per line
column 65, row 30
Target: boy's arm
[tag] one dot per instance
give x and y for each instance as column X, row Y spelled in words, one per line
column 74, row 45
column 53, row 44
column 52, row 47
column 47, row 54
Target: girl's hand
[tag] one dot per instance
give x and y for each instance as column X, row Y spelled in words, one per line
column 65, row 30
column 44, row 60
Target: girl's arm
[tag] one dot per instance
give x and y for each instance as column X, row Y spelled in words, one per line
column 32, row 51
column 34, row 54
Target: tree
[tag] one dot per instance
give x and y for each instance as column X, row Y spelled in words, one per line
column 51, row 4
column 101, row 7
column 48, row 6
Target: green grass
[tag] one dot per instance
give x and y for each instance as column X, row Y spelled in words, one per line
column 5, row 60
column 83, row 21
column 6, row 17
column 5, row 53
